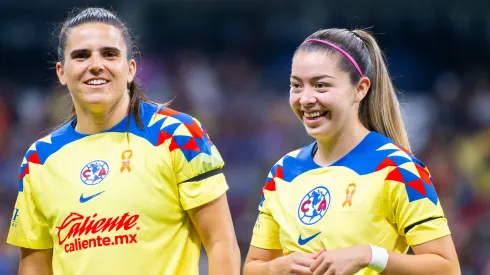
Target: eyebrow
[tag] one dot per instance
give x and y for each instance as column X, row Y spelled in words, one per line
column 103, row 49
column 315, row 78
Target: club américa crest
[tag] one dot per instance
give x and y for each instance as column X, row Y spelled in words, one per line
column 94, row 172
column 314, row 205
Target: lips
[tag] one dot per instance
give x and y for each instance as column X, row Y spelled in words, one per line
column 314, row 115
column 96, row 81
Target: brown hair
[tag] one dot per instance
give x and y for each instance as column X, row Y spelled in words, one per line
column 100, row 15
column 380, row 110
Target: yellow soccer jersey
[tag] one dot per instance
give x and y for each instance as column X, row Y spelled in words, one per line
column 115, row 202
column 377, row 194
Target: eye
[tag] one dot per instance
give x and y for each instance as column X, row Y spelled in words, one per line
column 295, row 85
column 111, row 54
column 322, row 85
column 81, row 55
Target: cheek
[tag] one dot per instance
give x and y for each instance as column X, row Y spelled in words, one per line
column 336, row 99
column 121, row 75
column 294, row 99
column 294, row 104
column 73, row 73
column 329, row 99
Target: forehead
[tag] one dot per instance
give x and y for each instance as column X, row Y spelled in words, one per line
column 312, row 63
column 94, row 35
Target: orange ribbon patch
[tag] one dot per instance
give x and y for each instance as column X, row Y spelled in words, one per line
column 126, row 160
column 349, row 193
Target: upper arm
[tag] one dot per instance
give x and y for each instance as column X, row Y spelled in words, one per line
column 195, row 160
column 213, row 222
column 415, row 207
column 35, row 262
column 197, row 164
column 266, row 232
column 443, row 247
column 29, row 227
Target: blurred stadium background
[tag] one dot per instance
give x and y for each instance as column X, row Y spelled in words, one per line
column 228, row 63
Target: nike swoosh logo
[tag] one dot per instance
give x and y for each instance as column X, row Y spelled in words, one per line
column 86, row 199
column 304, row 241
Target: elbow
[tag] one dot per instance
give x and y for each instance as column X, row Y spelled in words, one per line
column 246, row 266
column 233, row 243
column 248, row 269
column 450, row 267
column 229, row 247
column 454, row 268
column 226, row 242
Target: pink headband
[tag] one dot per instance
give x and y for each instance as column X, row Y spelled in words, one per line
column 340, row 50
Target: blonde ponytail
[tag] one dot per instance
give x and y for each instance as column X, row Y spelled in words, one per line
column 380, row 110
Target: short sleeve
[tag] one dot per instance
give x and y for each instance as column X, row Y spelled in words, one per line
column 28, row 227
column 416, row 208
column 197, row 164
column 266, row 231
column 199, row 192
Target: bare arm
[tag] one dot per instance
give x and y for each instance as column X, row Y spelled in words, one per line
column 270, row 262
column 258, row 260
column 215, row 227
column 432, row 258
column 35, row 261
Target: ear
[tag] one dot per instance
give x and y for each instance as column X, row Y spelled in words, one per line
column 132, row 70
column 362, row 89
column 61, row 73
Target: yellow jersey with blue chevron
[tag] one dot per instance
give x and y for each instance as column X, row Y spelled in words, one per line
column 116, row 202
column 378, row 194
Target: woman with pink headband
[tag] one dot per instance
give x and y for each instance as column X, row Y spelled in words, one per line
column 356, row 199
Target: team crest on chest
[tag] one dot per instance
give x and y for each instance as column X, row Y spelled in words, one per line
column 94, row 172
column 314, row 205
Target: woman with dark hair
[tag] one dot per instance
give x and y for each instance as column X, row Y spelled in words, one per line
column 126, row 186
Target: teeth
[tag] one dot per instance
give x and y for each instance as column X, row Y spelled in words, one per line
column 313, row 114
column 97, row 82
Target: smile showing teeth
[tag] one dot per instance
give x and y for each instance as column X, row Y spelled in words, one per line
column 97, row 82
column 314, row 114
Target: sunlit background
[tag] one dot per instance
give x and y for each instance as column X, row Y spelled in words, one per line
column 228, row 62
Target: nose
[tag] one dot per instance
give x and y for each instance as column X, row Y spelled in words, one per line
column 307, row 96
column 96, row 65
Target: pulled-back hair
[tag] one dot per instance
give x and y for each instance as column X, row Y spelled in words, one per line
column 100, row 15
column 380, row 110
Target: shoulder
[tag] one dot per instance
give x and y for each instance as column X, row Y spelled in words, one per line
column 178, row 131
column 388, row 153
column 377, row 152
column 43, row 148
column 153, row 112
column 402, row 169
column 166, row 123
column 294, row 164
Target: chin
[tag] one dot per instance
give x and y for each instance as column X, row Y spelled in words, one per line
column 320, row 132
column 97, row 99
column 315, row 133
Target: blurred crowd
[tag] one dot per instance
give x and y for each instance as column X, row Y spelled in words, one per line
column 252, row 125
column 237, row 84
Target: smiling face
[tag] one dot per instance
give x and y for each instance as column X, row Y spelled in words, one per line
column 323, row 96
column 95, row 66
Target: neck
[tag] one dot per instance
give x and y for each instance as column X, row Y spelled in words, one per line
column 337, row 146
column 93, row 120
